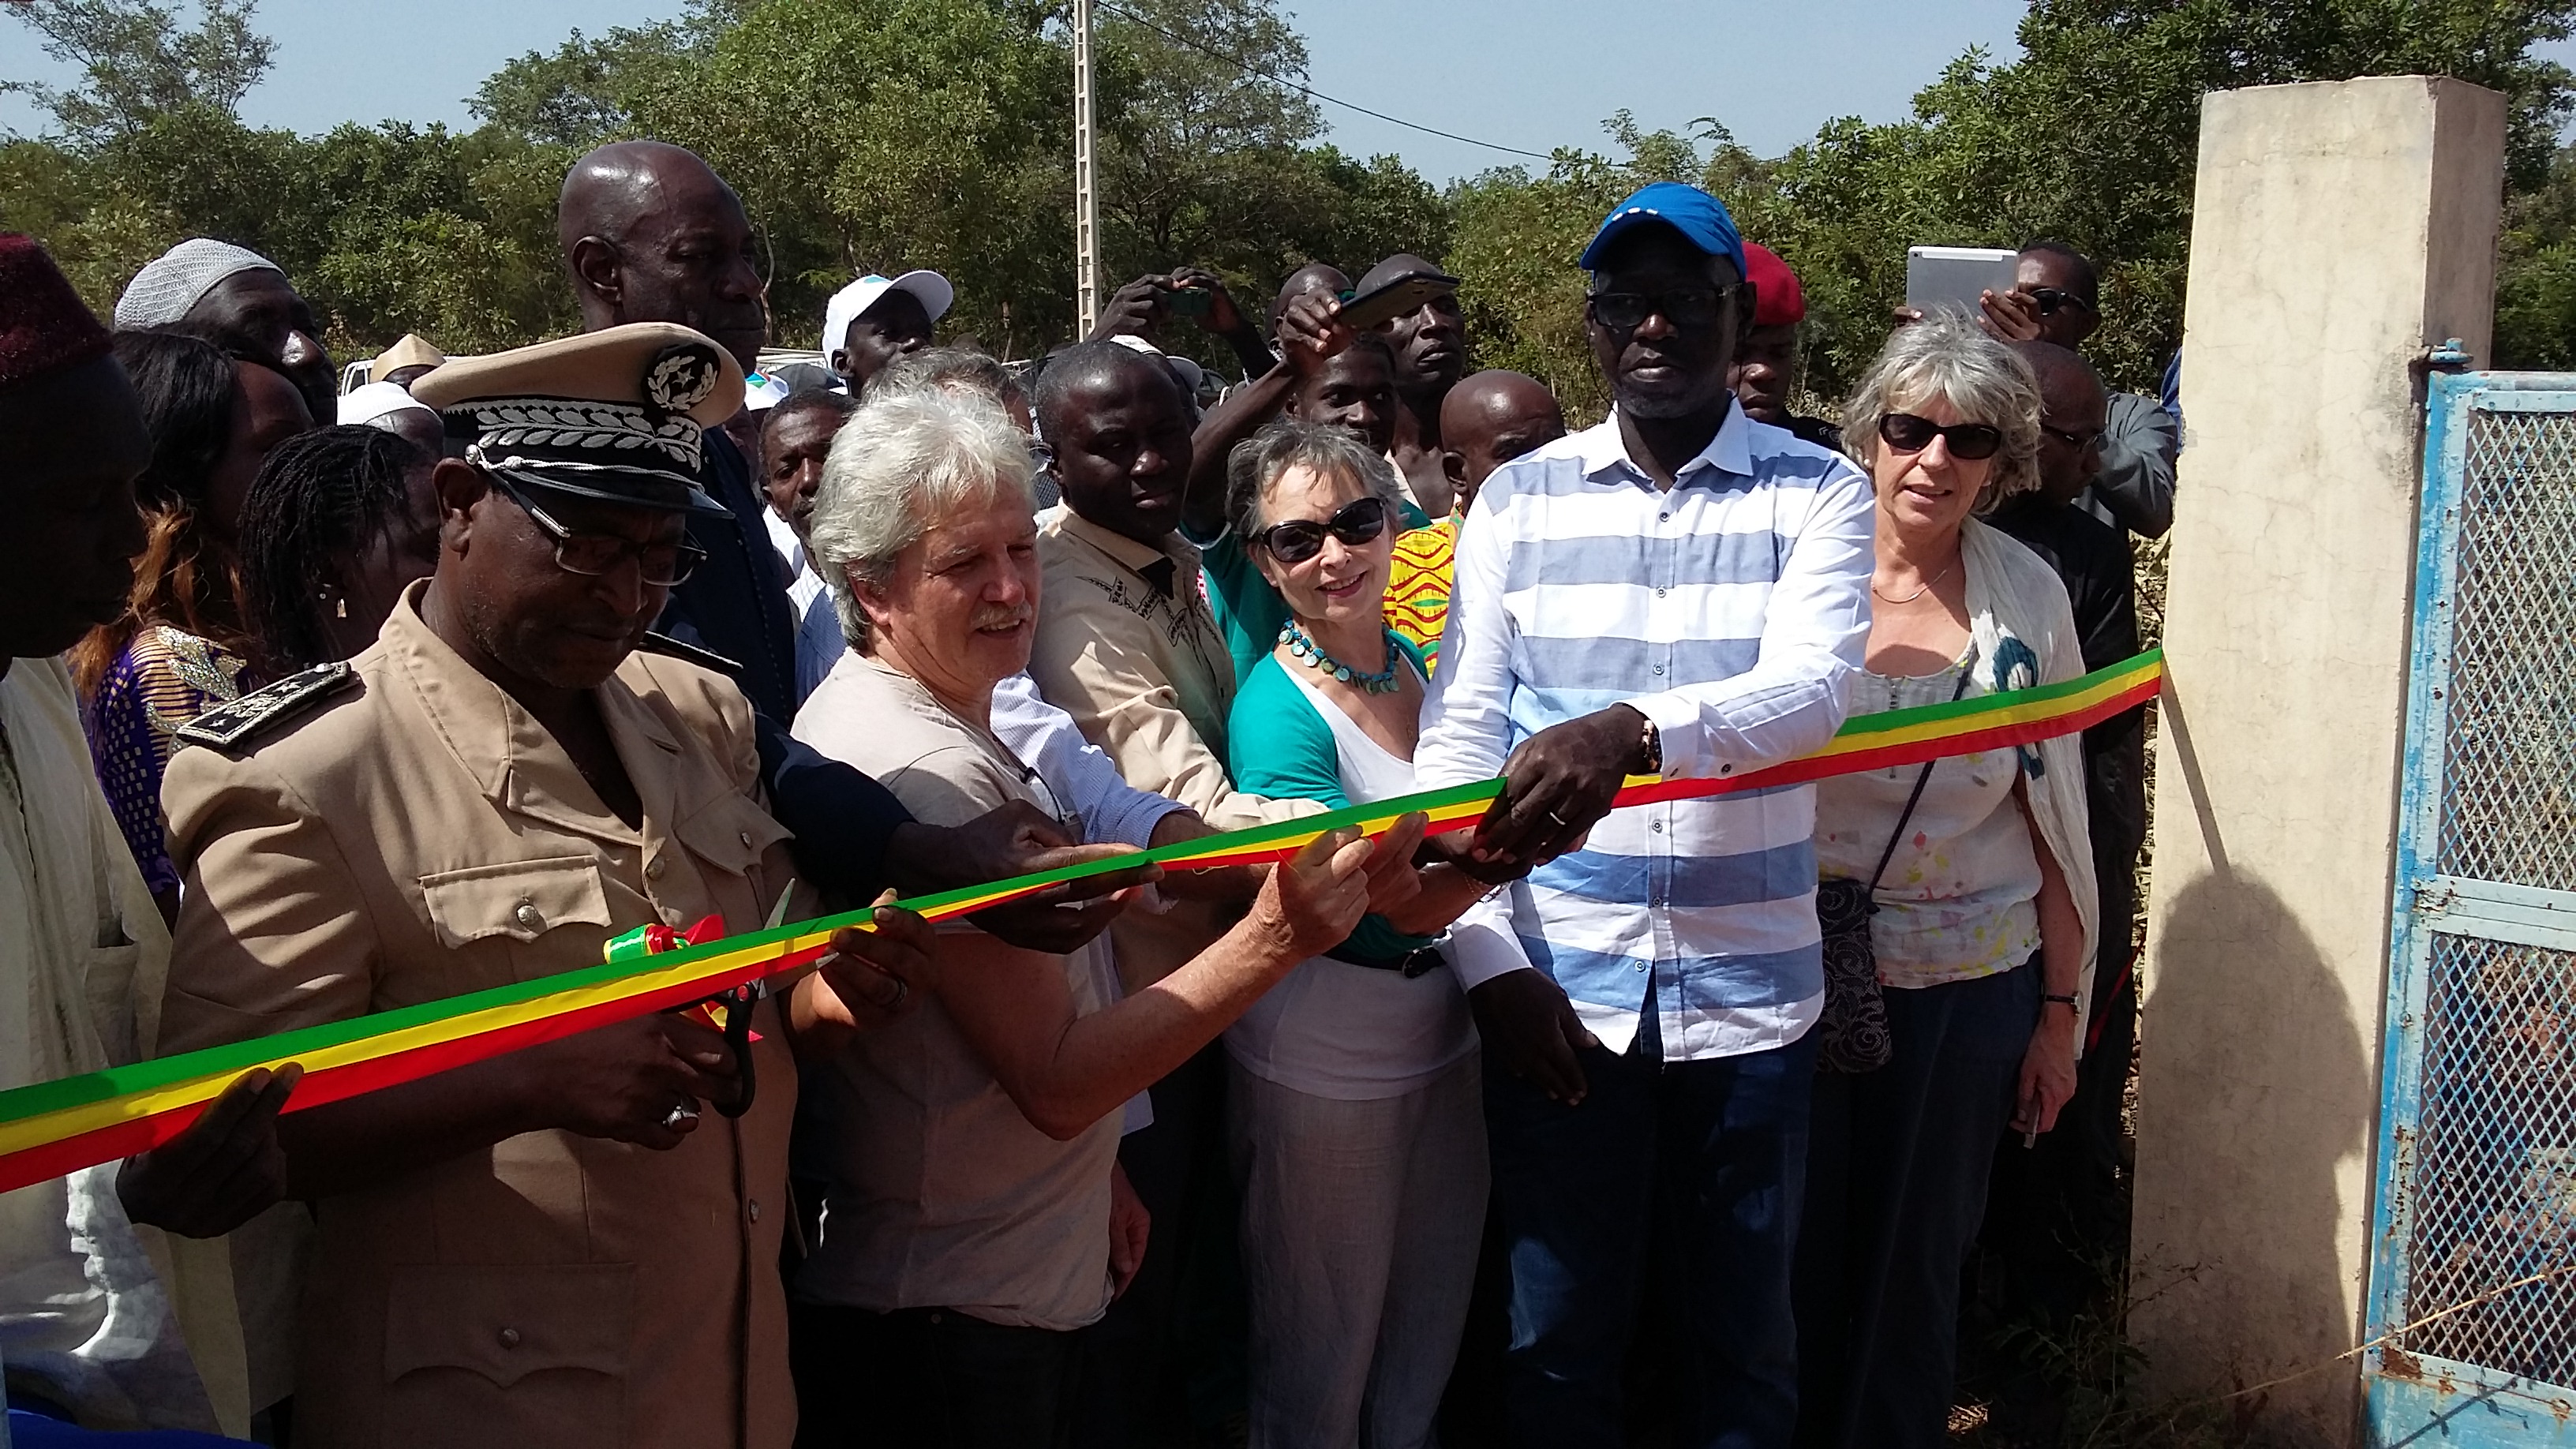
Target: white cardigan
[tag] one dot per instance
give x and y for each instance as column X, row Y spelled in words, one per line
column 2025, row 635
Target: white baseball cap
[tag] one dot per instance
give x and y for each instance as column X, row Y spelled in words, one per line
column 852, row 302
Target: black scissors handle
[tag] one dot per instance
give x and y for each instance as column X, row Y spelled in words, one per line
column 738, row 1004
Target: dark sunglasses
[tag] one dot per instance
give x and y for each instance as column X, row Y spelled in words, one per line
column 2078, row 441
column 2053, row 300
column 660, row 565
column 1300, row 539
column 1907, row 433
column 1628, row 311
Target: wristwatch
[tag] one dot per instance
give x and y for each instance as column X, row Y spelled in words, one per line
column 1650, row 751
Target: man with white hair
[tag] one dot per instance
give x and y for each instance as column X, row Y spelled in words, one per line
column 238, row 300
column 976, row 1221
column 877, row 319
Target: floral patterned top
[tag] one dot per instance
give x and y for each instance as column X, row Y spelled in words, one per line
column 1961, row 893
column 165, row 678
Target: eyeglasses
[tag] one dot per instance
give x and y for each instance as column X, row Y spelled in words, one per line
column 1628, row 311
column 2053, row 300
column 660, row 565
column 1907, row 433
column 1300, row 539
column 2079, row 441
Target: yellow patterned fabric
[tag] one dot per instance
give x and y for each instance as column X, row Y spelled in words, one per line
column 1417, row 587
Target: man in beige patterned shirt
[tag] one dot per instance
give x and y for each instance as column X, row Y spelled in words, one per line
column 1126, row 645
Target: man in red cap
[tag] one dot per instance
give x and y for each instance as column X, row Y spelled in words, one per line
column 87, row 1326
column 1766, row 364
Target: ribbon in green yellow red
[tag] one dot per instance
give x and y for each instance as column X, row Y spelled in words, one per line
column 51, row 1128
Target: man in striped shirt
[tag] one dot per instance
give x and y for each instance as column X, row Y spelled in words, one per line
column 1679, row 591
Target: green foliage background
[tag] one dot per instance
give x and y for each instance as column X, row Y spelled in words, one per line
column 881, row 134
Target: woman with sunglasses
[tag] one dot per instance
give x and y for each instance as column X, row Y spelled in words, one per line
column 1354, row 1103
column 1981, row 880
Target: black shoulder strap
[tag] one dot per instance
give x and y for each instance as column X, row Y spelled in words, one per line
column 233, row 725
column 1921, row 780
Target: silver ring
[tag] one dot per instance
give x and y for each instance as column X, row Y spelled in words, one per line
column 902, row 992
column 1559, row 819
column 685, row 1112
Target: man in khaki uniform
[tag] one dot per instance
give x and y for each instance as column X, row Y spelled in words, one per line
column 553, row 1247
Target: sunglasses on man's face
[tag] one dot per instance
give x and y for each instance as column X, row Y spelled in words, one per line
column 2053, row 300
column 1907, row 433
column 1628, row 311
column 1300, row 539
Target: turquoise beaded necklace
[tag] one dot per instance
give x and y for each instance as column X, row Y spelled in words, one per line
column 1303, row 648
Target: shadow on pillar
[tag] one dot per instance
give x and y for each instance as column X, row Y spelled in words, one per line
column 2270, row 1093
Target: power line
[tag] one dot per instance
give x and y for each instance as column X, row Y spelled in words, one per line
column 1253, row 70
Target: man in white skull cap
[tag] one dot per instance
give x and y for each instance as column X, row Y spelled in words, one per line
column 240, row 301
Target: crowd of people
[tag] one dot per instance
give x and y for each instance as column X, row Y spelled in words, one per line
column 321, row 704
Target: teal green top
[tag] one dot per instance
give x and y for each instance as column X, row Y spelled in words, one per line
column 1282, row 749
column 1248, row 611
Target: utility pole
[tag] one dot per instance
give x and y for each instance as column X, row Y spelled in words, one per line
column 1086, row 200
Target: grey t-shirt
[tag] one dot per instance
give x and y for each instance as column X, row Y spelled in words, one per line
column 939, row 1194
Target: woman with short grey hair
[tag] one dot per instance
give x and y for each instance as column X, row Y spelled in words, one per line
column 1971, row 883
column 1354, row 1104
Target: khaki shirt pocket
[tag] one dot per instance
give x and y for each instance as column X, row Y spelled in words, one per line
column 520, row 899
column 477, row 1356
column 731, row 834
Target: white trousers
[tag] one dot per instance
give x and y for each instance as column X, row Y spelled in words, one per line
column 1360, row 1228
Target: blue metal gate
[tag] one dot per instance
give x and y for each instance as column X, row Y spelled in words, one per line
column 2472, row 1304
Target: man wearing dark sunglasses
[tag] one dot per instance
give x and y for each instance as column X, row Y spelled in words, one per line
column 1675, row 592
column 2058, row 299
column 514, row 773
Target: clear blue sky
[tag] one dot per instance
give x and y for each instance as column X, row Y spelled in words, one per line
column 1524, row 73
column 1511, row 71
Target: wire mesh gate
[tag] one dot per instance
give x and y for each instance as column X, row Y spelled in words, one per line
column 2473, row 1277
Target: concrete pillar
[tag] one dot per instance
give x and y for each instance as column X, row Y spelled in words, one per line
column 2338, row 229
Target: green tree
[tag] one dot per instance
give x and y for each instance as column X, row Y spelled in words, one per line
column 136, row 61
column 2090, row 137
column 2535, row 323
column 587, row 90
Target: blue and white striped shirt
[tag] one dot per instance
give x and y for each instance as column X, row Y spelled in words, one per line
column 1732, row 612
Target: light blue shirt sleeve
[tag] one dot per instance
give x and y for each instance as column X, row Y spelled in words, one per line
column 1113, row 811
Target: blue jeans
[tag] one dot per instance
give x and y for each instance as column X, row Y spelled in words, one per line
column 1724, row 1144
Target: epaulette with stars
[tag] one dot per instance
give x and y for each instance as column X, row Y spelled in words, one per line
column 233, row 725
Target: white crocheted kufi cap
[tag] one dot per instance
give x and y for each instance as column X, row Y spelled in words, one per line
column 179, row 278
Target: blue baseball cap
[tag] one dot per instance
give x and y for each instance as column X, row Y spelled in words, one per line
column 1698, row 216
